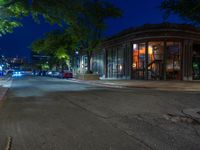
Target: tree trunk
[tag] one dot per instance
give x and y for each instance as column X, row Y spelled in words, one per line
column 89, row 55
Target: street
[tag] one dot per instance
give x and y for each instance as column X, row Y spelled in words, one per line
column 41, row 113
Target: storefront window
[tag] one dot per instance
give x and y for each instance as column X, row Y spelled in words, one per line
column 155, row 60
column 110, row 64
column 115, row 63
column 83, row 64
column 135, row 56
column 173, row 64
column 97, row 64
column 196, row 62
column 139, row 61
column 120, row 63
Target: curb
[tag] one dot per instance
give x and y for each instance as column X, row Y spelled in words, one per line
column 5, row 88
column 96, row 84
column 113, row 85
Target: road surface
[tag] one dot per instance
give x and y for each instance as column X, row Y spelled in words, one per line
column 53, row 114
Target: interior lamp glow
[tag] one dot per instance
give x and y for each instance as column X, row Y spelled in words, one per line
column 120, row 67
column 150, row 50
column 134, row 46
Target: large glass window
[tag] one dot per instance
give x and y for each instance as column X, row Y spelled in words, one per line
column 110, row 64
column 135, row 57
column 115, row 63
column 120, row 63
column 196, row 62
column 173, row 64
column 139, row 61
column 155, row 60
column 97, row 64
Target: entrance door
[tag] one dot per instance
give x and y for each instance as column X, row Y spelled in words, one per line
column 196, row 62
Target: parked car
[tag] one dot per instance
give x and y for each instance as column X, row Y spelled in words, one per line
column 27, row 73
column 55, row 74
column 49, row 73
column 66, row 74
column 17, row 73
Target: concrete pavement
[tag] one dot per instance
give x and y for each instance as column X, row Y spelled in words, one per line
column 55, row 114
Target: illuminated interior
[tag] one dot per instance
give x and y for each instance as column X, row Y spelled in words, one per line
column 139, row 60
column 155, row 59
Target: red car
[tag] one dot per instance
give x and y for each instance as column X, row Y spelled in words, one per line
column 66, row 74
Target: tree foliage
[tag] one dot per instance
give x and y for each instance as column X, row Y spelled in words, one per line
column 186, row 9
column 10, row 10
column 83, row 20
column 52, row 42
column 57, row 44
column 89, row 23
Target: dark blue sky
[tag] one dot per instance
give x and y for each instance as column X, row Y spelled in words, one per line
column 136, row 13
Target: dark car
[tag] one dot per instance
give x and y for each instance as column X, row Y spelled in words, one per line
column 66, row 74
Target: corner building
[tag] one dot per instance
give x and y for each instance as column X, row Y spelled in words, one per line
column 150, row 52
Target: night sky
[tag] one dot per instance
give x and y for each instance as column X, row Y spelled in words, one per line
column 136, row 13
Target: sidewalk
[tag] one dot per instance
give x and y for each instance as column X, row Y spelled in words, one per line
column 5, row 84
column 158, row 85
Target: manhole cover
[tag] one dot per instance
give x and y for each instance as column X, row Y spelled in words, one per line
column 192, row 112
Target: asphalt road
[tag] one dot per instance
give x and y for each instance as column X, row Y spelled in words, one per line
column 53, row 114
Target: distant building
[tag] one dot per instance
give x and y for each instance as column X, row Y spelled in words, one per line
column 150, row 52
column 12, row 62
column 38, row 59
column 16, row 62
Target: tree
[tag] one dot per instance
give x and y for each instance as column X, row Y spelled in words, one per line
column 89, row 23
column 53, row 11
column 85, row 20
column 186, row 9
column 59, row 45
column 10, row 10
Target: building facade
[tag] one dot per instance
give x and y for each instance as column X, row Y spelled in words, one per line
column 150, row 52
